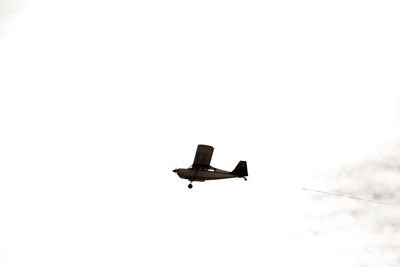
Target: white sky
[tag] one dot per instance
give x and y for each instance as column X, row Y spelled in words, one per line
column 100, row 100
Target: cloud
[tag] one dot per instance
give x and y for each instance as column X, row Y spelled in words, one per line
column 376, row 178
column 368, row 228
column 8, row 10
column 7, row 7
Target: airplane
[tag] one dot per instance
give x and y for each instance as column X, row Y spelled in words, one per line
column 201, row 170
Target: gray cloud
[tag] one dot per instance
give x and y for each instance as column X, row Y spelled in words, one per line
column 375, row 179
column 376, row 225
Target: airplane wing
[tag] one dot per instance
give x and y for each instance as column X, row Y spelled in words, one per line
column 203, row 156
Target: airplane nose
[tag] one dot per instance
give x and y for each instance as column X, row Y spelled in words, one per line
column 176, row 170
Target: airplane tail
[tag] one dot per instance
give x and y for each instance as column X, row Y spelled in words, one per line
column 241, row 169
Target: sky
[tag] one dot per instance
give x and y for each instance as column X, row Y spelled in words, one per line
column 101, row 100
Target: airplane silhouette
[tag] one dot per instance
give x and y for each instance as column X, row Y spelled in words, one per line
column 201, row 170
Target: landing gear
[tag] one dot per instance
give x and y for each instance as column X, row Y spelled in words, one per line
column 190, row 186
column 245, row 178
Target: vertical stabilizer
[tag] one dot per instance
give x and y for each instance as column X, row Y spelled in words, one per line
column 241, row 169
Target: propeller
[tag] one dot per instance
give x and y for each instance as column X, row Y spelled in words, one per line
column 176, row 170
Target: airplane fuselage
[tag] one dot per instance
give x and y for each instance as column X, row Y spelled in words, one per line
column 203, row 174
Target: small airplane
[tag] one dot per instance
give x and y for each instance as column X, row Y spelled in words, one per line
column 201, row 170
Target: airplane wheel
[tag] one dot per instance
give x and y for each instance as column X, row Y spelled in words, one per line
column 245, row 178
column 190, row 186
